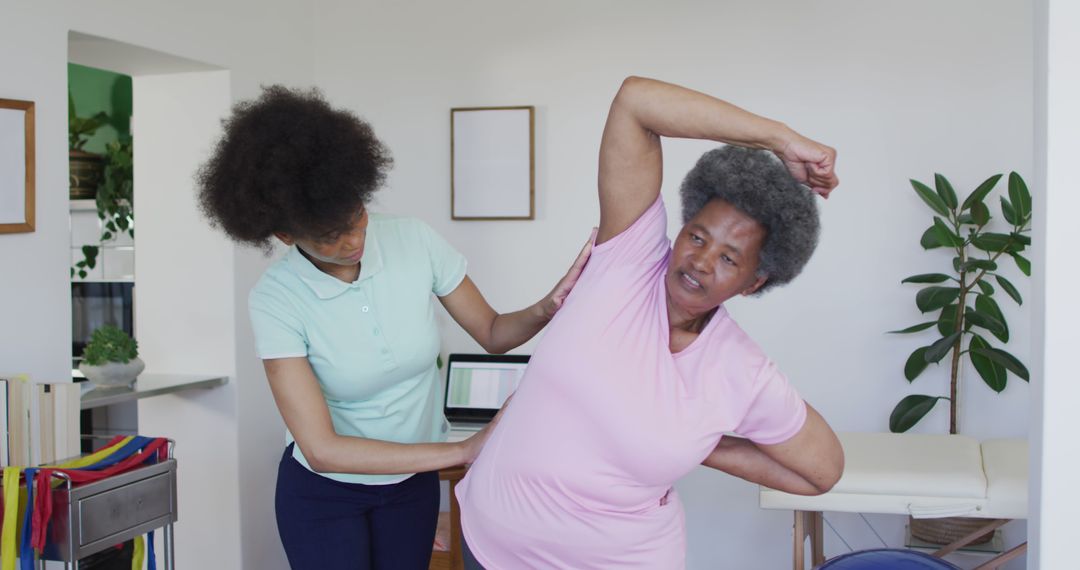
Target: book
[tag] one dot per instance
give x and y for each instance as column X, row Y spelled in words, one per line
column 46, row 424
column 67, row 397
column 18, row 420
column 5, row 458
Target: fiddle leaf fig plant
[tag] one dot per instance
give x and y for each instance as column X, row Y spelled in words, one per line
column 968, row 318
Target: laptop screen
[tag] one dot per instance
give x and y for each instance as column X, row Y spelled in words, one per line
column 478, row 384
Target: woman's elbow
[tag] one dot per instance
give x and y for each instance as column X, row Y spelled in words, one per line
column 319, row 456
column 830, row 475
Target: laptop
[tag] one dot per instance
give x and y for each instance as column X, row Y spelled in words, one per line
column 476, row 387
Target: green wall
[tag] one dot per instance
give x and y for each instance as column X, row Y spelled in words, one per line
column 98, row 90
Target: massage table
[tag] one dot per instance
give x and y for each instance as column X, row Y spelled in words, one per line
column 924, row 476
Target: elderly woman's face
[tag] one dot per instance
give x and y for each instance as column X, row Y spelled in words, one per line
column 714, row 258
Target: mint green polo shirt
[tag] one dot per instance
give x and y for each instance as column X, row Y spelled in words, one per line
column 373, row 342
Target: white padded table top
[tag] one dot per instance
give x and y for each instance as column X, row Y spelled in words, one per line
column 1006, row 464
column 922, row 475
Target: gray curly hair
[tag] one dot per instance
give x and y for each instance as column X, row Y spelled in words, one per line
column 759, row 185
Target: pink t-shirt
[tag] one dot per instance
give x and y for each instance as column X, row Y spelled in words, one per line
column 579, row 473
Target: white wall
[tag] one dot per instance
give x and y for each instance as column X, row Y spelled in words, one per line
column 1054, row 462
column 257, row 42
column 184, row 307
column 903, row 90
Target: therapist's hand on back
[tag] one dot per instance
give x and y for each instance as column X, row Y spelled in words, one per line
column 554, row 300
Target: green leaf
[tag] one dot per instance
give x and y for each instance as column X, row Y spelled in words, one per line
column 980, row 214
column 935, row 352
column 927, row 278
column 910, row 410
column 915, row 328
column 992, row 242
column 929, row 240
column 1023, row 239
column 1008, row 287
column 988, row 322
column 932, row 298
column 981, row 192
column 915, row 364
column 1007, row 360
column 985, row 287
column 1008, row 211
column 106, row 236
column 945, row 235
column 965, row 218
column 1022, row 262
column 988, row 306
column 978, row 264
column 992, row 373
column 945, row 191
column 1020, row 197
column 947, row 319
column 931, row 199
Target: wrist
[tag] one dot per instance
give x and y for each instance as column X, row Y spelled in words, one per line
column 540, row 312
column 778, row 137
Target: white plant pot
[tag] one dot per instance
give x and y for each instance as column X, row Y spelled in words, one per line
column 113, row 374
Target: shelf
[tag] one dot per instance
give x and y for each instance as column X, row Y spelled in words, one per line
column 146, row 386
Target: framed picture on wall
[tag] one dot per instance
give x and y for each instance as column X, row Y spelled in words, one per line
column 492, row 171
column 16, row 166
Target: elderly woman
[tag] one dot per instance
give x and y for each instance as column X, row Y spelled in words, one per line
column 643, row 374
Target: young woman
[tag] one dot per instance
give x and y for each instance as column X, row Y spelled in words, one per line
column 643, row 372
column 345, row 326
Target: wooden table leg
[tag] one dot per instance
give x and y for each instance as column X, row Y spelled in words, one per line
column 798, row 539
column 817, row 539
column 1002, row 558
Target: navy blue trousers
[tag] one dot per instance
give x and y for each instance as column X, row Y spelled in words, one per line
column 330, row 525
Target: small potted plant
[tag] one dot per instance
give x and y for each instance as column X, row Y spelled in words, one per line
column 111, row 358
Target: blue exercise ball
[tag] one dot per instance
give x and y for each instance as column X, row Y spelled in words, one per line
column 887, row 559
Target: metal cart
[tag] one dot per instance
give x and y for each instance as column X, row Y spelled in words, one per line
column 95, row 516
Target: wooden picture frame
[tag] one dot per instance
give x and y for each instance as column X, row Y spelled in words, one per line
column 16, row 166
column 492, row 167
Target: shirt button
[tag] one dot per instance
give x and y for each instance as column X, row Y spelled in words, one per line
column 364, row 309
column 385, row 351
column 375, row 332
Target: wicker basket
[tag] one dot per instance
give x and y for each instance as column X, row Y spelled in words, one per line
column 948, row 530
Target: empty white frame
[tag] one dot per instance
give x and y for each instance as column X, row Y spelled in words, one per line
column 491, row 163
column 16, row 166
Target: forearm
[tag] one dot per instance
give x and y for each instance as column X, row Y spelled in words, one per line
column 673, row 111
column 344, row 454
column 511, row 330
column 740, row 457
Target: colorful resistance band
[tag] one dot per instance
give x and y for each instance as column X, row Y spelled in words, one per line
column 137, row 556
column 119, row 455
column 11, row 499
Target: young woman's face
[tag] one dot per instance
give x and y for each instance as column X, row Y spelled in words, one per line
column 336, row 249
column 714, row 258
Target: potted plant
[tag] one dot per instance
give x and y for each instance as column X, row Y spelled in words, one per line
column 111, row 358
column 85, row 169
column 115, row 200
column 968, row 317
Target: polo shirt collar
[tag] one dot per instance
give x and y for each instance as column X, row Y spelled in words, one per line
column 326, row 286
